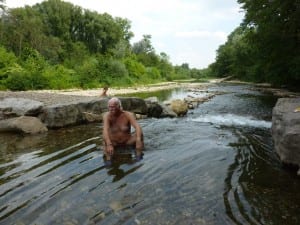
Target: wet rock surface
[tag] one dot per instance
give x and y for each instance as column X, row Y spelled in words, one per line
column 286, row 130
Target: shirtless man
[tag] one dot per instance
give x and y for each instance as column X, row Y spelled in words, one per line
column 104, row 92
column 117, row 130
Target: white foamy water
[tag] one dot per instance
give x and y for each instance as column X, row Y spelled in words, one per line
column 232, row 120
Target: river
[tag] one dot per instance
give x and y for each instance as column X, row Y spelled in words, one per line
column 216, row 165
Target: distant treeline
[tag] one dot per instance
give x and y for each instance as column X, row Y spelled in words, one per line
column 57, row 45
column 266, row 46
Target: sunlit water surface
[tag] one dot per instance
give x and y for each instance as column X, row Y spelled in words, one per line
column 214, row 166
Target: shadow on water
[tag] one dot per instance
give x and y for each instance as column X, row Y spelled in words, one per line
column 214, row 166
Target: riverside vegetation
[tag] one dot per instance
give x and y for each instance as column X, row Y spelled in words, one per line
column 58, row 45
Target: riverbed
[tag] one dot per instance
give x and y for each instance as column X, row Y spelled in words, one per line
column 216, row 165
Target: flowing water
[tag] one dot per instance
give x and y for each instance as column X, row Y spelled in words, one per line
column 214, row 166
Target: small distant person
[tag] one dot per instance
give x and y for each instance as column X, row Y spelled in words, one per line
column 117, row 131
column 104, row 92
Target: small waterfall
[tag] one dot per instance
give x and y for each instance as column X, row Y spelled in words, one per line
column 232, row 120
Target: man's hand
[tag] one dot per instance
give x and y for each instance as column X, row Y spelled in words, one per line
column 110, row 149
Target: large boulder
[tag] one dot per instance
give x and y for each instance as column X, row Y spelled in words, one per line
column 92, row 117
column 286, row 130
column 167, row 111
column 12, row 107
column 23, row 124
column 63, row 115
column 180, row 107
column 154, row 108
column 135, row 105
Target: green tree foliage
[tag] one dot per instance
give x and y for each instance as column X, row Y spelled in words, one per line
column 2, row 6
column 22, row 29
column 8, row 61
column 59, row 77
column 238, row 57
column 276, row 26
column 165, row 67
column 57, row 45
column 265, row 48
column 145, row 51
column 30, row 76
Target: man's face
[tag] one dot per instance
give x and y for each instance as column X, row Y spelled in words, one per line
column 113, row 107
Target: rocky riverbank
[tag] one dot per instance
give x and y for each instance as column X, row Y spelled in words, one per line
column 55, row 109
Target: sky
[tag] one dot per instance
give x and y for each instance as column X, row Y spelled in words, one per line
column 188, row 31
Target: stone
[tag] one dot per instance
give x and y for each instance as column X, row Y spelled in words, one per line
column 62, row 115
column 167, row 112
column 23, row 124
column 154, row 110
column 92, row 117
column 20, row 107
column 152, row 99
column 179, row 107
column 286, row 130
column 133, row 104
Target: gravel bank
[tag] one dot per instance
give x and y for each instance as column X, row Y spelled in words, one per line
column 51, row 97
column 46, row 97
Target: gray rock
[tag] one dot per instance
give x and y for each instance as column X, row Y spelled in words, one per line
column 23, row 124
column 167, row 112
column 63, row 115
column 92, row 117
column 154, row 110
column 153, row 99
column 286, row 130
column 20, row 107
column 136, row 105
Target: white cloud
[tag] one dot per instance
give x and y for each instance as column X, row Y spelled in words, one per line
column 189, row 31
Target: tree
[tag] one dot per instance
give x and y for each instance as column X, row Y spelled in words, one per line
column 143, row 46
column 145, row 51
column 276, row 33
column 2, row 5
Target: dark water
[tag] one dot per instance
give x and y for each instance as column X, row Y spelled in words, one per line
column 214, row 166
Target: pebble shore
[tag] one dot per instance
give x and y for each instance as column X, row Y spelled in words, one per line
column 52, row 97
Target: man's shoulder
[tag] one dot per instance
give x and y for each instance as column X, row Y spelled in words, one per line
column 105, row 115
column 129, row 114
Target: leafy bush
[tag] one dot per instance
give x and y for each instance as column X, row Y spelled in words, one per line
column 88, row 75
column 116, row 69
column 153, row 73
column 135, row 69
column 7, row 62
column 59, row 77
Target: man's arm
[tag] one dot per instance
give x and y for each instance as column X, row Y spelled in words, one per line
column 139, row 142
column 135, row 124
column 106, row 138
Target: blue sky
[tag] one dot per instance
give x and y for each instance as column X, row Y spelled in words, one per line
column 188, row 31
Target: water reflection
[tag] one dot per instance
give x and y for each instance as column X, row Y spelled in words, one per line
column 254, row 182
column 118, row 172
